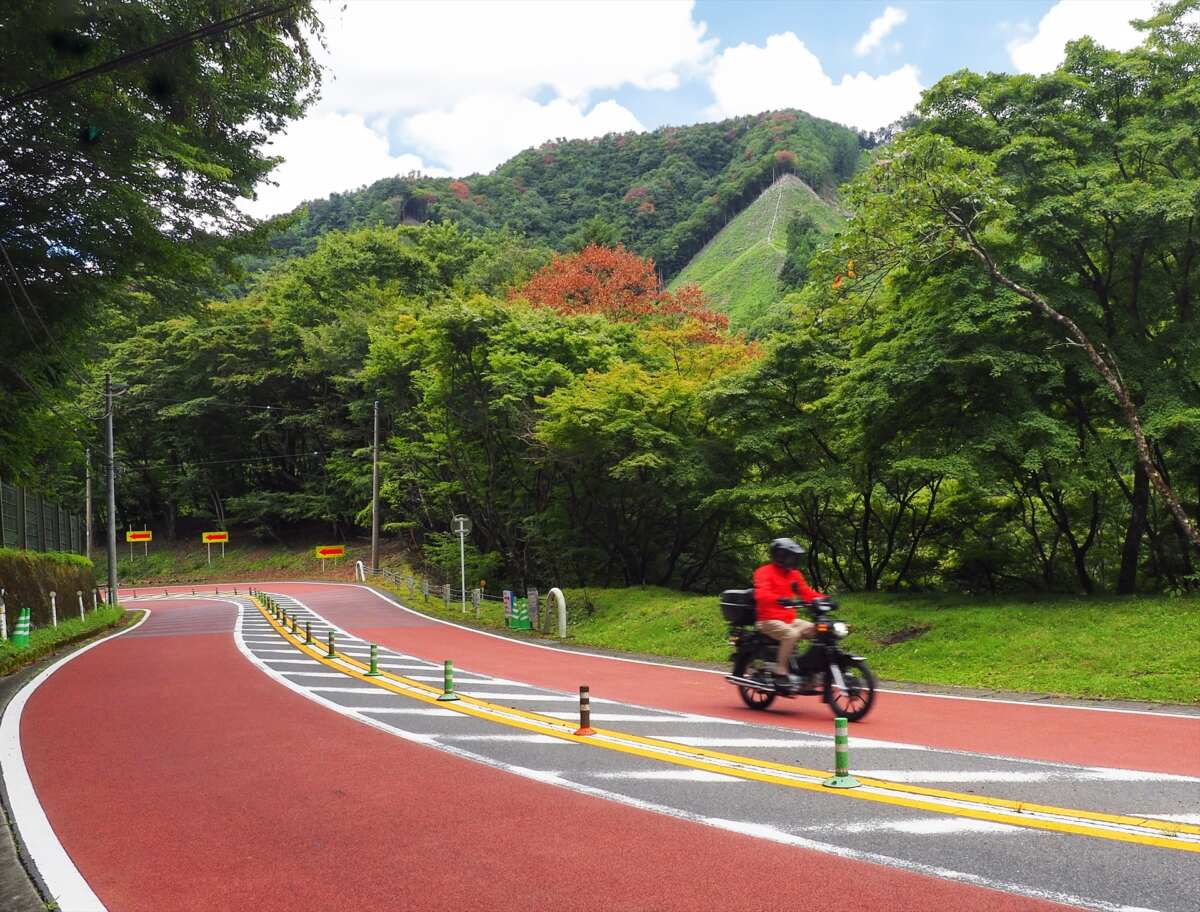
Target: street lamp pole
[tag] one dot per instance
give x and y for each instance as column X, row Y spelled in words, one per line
column 112, row 491
column 375, row 495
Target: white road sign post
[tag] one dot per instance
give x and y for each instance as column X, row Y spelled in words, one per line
column 462, row 527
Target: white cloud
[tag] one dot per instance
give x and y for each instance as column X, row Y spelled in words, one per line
column 878, row 30
column 456, row 82
column 1107, row 21
column 748, row 79
column 327, row 153
column 481, row 131
column 390, row 56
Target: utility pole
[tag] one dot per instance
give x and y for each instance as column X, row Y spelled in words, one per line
column 375, row 494
column 112, row 491
column 87, row 510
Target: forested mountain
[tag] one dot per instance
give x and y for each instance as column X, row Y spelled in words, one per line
column 661, row 194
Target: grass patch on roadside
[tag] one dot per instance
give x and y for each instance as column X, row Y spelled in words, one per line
column 45, row 640
column 1142, row 648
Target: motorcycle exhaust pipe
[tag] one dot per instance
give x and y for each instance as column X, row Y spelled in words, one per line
column 748, row 682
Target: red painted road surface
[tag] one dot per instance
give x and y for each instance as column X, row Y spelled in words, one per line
column 1077, row 736
column 180, row 777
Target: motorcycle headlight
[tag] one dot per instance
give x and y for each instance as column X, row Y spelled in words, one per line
column 840, row 629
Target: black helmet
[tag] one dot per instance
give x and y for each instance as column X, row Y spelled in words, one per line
column 785, row 552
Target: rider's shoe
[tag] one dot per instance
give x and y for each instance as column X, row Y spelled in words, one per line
column 784, row 681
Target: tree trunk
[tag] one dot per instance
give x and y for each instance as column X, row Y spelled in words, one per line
column 1132, row 549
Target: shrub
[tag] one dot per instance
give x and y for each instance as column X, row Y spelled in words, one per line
column 30, row 576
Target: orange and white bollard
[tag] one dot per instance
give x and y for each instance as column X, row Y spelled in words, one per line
column 585, row 712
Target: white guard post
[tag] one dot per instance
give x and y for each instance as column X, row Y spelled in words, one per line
column 360, row 572
column 558, row 597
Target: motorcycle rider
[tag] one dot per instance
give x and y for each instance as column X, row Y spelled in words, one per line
column 777, row 581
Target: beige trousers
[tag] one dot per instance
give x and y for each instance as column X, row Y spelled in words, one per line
column 786, row 634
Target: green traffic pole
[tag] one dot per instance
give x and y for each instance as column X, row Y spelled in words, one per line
column 841, row 778
column 308, row 633
column 331, row 644
column 374, row 670
column 448, row 685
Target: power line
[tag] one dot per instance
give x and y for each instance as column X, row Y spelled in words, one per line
column 206, row 31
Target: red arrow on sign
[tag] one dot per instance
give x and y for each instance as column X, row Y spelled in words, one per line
column 330, row 552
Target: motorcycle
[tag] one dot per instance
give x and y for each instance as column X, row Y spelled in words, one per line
column 843, row 681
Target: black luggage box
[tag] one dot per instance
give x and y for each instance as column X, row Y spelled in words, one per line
column 737, row 605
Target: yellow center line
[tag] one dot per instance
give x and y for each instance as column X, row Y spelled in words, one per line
column 1164, row 834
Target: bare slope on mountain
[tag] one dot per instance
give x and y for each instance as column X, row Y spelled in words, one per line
column 739, row 268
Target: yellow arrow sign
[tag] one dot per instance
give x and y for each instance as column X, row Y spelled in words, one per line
column 139, row 536
column 211, row 538
column 324, row 551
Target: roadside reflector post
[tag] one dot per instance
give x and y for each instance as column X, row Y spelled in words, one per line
column 331, row 650
column 585, row 712
column 448, row 683
column 3, row 618
column 94, row 606
column 79, row 595
column 374, row 669
column 20, row 637
column 53, row 609
column 841, row 778
column 308, row 633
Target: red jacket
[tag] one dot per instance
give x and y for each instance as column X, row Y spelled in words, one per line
column 772, row 583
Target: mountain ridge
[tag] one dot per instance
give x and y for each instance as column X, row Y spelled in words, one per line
column 663, row 193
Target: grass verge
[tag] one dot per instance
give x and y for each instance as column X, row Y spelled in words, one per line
column 1144, row 648
column 45, row 640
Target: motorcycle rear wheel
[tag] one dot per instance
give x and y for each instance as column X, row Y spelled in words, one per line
column 859, row 696
column 755, row 699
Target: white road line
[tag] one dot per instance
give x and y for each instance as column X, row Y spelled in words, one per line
column 314, row 674
column 1059, row 775
column 366, row 689
column 528, row 697
column 458, row 682
column 670, row 775
column 620, row 717
column 313, row 662
column 1173, row 818
column 63, row 881
column 515, row 739
column 409, row 711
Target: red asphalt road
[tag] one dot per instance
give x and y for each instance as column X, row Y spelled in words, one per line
column 1077, row 736
column 179, row 776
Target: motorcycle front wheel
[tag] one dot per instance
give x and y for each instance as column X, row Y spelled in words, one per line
column 856, row 700
column 743, row 667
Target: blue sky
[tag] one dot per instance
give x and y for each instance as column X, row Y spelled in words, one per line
column 455, row 88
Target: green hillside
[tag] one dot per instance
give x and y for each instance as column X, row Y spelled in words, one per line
column 739, row 268
column 662, row 194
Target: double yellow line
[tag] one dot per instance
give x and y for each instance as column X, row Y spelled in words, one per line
column 1116, row 827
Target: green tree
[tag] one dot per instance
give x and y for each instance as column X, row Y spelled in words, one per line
column 1075, row 194
column 119, row 190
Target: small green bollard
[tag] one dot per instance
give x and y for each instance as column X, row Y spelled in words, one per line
column 448, row 685
column 374, row 669
column 330, row 653
column 841, row 778
column 308, row 633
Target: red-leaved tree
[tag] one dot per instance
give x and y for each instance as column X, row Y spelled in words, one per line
column 621, row 286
